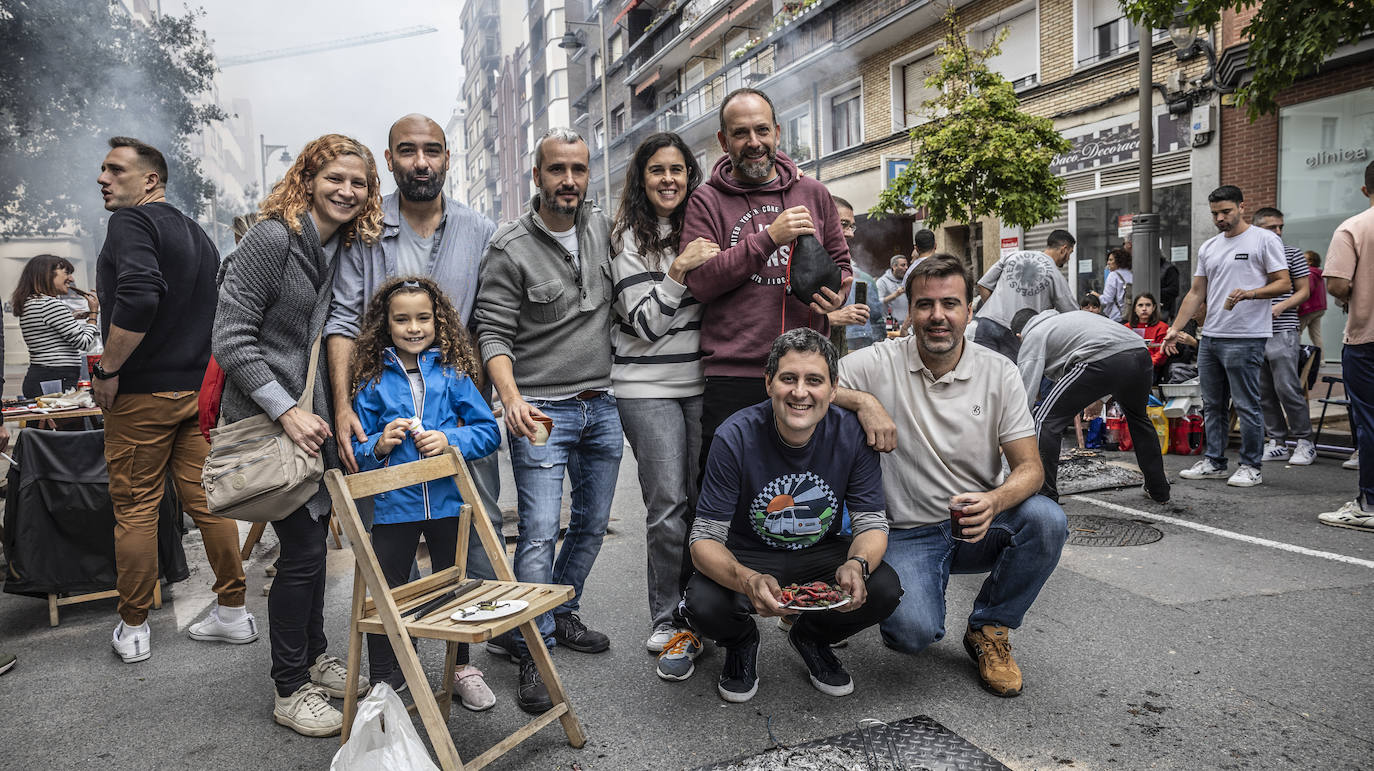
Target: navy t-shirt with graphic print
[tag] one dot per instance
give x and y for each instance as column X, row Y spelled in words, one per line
column 780, row 497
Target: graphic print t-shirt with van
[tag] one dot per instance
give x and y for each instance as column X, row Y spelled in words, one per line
column 780, row 497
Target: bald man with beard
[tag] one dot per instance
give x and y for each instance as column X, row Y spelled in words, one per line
column 424, row 232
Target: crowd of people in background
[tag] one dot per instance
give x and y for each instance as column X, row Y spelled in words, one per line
column 766, row 453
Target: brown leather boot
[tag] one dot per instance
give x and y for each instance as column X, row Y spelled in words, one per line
column 990, row 647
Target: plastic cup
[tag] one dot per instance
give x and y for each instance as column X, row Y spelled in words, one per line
column 956, row 512
column 542, row 428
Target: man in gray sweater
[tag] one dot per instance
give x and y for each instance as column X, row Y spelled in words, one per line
column 544, row 324
column 1088, row 356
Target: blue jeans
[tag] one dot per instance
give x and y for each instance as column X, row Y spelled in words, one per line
column 665, row 435
column 1228, row 369
column 586, row 442
column 1019, row 552
column 1357, row 369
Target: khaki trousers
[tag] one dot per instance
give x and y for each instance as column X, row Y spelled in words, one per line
column 146, row 435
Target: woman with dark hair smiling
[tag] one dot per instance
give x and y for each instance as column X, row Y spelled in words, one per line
column 54, row 336
column 274, row 296
column 658, row 374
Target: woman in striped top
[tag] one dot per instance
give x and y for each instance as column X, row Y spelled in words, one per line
column 54, row 335
column 657, row 370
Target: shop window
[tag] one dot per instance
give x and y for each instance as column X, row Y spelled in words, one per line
column 845, row 109
column 1098, row 230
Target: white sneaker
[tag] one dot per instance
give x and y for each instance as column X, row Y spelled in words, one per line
column 1304, row 453
column 1204, row 469
column 1348, row 515
column 660, row 637
column 1353, row 462
column 308, row 712
column 1274, row 451
column 330, row 674
column 245, row 630
column 1245, row 476
column 132, row 643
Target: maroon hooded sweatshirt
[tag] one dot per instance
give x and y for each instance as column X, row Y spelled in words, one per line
column 744, row 288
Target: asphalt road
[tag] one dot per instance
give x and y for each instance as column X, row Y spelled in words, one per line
column 1201, row 650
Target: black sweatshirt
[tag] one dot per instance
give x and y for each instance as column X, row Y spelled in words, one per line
column 156, row 275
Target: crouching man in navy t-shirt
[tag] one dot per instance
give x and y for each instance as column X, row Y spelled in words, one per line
column 776, row 482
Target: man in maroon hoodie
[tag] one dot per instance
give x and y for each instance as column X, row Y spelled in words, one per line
column 755, row 205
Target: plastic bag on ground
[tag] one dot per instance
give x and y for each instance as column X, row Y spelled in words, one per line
column 383, row 738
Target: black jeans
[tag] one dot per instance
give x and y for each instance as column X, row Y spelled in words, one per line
column 395, row 546
column 723, row 397
column 295, row 606
column 990, row 334
column 727, row 616
column 38, row 374
column 1126, row 377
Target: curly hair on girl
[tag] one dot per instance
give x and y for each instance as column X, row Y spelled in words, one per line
column 455, row 347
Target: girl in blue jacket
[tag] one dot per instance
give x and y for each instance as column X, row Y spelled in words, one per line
column 414, row 396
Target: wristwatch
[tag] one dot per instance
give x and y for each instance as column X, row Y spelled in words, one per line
column 863, row 564
column 98, row 372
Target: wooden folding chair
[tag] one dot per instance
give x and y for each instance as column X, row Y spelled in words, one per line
column 385, row 611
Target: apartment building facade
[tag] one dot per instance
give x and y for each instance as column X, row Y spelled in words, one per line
column 848, row 79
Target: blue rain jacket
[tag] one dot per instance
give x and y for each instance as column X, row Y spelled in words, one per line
column 450, row 403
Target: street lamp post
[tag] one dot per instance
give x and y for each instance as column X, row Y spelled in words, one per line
column 263, row 150
column 1145, row 224
column 572, row 41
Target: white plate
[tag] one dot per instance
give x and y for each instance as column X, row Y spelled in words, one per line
column 473, row 614
column 831, row 606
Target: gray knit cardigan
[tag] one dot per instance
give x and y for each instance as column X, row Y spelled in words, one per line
column 274, row 293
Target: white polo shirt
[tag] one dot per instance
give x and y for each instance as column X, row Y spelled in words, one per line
column 949, row 430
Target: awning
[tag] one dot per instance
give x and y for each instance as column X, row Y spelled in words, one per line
column 630, row 6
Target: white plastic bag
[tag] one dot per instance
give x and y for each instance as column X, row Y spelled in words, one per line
column 382, row 737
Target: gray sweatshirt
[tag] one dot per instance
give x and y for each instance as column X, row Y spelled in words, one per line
column 551, row 316
column 1053, row 341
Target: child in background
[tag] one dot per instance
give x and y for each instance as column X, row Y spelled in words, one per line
column 1145, row 321
column 1090, row 303
column 1310, row 312
column 414, row 395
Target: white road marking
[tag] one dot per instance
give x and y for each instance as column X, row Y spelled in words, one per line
column 1225, row 533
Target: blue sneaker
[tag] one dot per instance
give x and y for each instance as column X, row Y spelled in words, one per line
column 675, row 662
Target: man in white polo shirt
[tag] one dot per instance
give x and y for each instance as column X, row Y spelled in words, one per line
column 958, row 408
column 1235, row 268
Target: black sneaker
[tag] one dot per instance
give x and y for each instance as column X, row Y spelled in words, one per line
column 531, row 694
column 827, row 673
column 569, row 631
column 503, row 645
column 739, row 677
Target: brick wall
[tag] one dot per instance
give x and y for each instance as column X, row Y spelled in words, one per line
column 1249, row 151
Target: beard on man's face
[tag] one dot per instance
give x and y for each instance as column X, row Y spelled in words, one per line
column 413, row 189
column 549, row 199
column 756, row 168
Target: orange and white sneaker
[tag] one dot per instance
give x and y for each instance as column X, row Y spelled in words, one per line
column 990, row 648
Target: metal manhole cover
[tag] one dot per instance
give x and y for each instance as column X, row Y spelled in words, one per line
column 1090, row 530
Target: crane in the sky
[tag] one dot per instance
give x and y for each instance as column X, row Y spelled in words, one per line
column 225, row 62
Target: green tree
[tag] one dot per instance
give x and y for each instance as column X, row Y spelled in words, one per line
column 78, row 72
column 1288, row 38
column 977, row 154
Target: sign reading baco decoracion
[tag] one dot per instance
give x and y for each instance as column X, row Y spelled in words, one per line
column 1117, row 140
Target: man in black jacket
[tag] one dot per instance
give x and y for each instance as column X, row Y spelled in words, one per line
column 156, row 277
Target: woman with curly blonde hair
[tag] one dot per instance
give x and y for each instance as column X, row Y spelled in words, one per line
column 274, row 297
